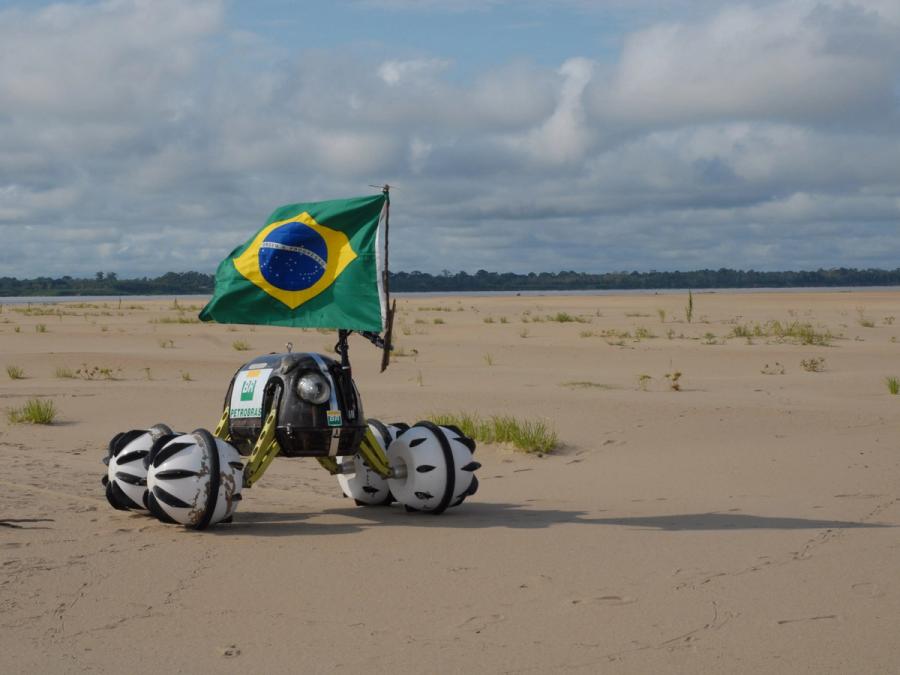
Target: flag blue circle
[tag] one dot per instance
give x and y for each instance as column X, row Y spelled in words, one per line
column 293, row 257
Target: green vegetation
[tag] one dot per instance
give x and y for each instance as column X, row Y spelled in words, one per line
column 175, row 319
column 97, row 373
column 689, row 309
column 644, row 381
column 34, row 411
column 662, row 315
column 438, row 321
column 186, row 283
column 565, row 317
column 186, row 376
column 863, row 320
column 63, row 372
column 814, row 365
column 488, row 359
column 893, row 384
column 532, row 436
column 15, row 373
column 166, row 343
column 674, row 380
column 641, row 333
column 40, row 328
column 241, row 345
column 795, row 331
column 584, row 384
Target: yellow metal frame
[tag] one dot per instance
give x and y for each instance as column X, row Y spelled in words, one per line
column 222, row 427
column 375, row 457
column 266, row 449
column 371, row 452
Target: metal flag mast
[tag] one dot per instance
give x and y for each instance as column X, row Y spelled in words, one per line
column 386, row 284
column 384, row 343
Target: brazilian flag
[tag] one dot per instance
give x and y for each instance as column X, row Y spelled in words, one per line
column 317, row 264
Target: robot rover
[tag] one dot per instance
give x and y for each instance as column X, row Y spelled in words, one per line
column 295, row 405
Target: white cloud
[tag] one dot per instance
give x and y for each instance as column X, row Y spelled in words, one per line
column 417, row 71
column 152, row 136
column 803, row 61
column 564, row 136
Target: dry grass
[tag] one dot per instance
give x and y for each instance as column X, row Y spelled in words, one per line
column 532, row 436
column 34, row 411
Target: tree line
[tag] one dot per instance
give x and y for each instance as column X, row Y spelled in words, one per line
column 184, row 283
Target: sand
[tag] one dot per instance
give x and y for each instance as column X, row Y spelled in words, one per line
column 745, row 523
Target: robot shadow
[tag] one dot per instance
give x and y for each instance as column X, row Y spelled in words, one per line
column 513, row 516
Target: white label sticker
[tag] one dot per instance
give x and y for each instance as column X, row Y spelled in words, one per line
column 247, row 395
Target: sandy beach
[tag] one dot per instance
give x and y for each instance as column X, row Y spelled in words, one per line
column 743, row 520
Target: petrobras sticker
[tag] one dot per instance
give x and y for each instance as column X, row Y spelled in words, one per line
column 247, row 395
column 334, row 418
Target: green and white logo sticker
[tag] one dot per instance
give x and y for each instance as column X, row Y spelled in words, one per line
column 247, row 394
column 334, row 418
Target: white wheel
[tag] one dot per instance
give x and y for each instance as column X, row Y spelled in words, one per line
column 126, row 472
column 434, row 466
column 194, row 479
column 357, row 479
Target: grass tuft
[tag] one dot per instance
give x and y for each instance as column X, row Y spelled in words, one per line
column 63, row 372
column 241, row 345
column 565, row 317
column 175, row 319
column 816, row 364
column 585, row 384
column 893, row 384
column 15, row 373
column 532, row 436
column 35, row 411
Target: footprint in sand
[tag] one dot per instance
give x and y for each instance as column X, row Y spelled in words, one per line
column 479, row 623
column 606, row 600
column 868, row 589
column 231, row 651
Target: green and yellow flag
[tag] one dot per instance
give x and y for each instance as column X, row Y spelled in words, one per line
column 317, row 264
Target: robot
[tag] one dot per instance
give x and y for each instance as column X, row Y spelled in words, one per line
column 290, row 404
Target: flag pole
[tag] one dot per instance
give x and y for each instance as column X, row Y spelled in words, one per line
column 386, row 283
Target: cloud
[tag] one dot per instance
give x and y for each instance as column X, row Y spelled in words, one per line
column 803, row 61
column 419, row 71
column 140, row 136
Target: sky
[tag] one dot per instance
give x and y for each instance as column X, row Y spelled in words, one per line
column 146, row 136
